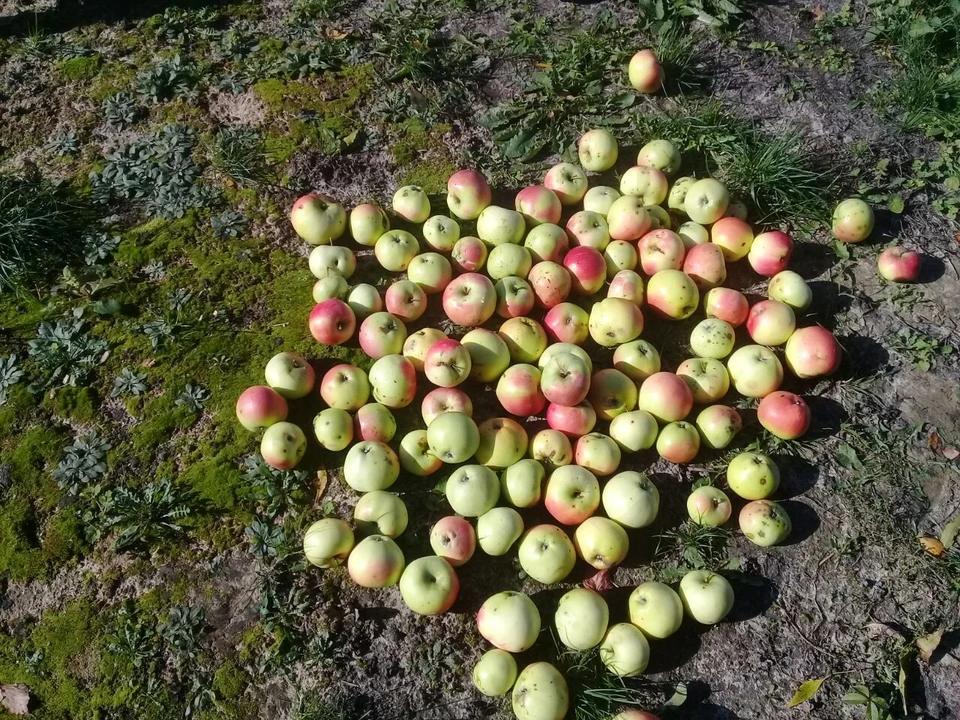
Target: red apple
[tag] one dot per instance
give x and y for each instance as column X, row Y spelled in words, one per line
column 726, row 304
column 572, row 421
column 332, row 322
column 705, row 266
column 587, row 268
column 770, row 253
column 898, row 264
column 812, row 352
column 538, row 205
column 259, row 407
column 551, row 284
column 784, row 414
column 665, row 396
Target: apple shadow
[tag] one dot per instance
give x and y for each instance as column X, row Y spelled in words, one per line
column 804, row 519
column 675, row 651
column 829, row 300
column 797, row 476
column 862, row 357
column 697, row 706
column 811, row 260
column 931, row 269
column 826, row 417
column 754, row 595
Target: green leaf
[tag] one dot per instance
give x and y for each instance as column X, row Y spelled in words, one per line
column 905, row 660
column 841, row 249
column 679, row 696
column 895, row 204
column 858, row 695
column 847, row 457
column 949, row 534
column 952, row 183
column 110, row 306
column 806, row 691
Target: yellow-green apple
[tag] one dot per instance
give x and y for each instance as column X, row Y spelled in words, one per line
column 467, row 194
column 498, row 529
column 453, row 437
column 712, row 338
column 550, row 284
column 538, row 205
column 332, row 322
column 565, row 379
column 405, row 300
column 572, row 494
column 259, row 407
column 568, row 182
column 582, row 617
column 547, row 242
column 631, row 499
column 587, row 269
column 520, row 483
column 290, row 375
column 374, row 421
column 382, row 334
column 660, row 154
column 612, row 393
column 525, row 338
column 367, row 223
column 472, row 490
column 599, row 199
column 788, row 287
column 417, row 345
column 447, row 363
column 646, row 183
column 560, row 348
column 628, row 219
column 755, row 371
column 678, row 442
column 753, row 476
column 415, row 456
column 660, row 250
column 733, row 236
column 318, row 219
column 380, row 513
column 784, row 414
column 706, row 201
column 441, row 233
column 597, row 453
column 470, row 299
column 672, row 294
column 666, row 396
column 706, row 596
column 771, row 322
column 395, row 249
column 709, row 505
column 283, row 445
column 726, row 304
column 469, row 254
column 546, row 554
column 572, row 421
column 515, row 297
column 551, row 448
column 503, row 441
column 327, row 542
column 656, row 609
column 627, row 284
column 693, row 234
column 601, row 543
column 393, row 380
column 770, row 253
column 718, row 425
column 626, row 653
column 441, row 400
column 705, row 266
column 376, row 562
column 638, row 360
column 567, row 323
column 678, row 193
column 635, row 715
column 489, row 354
column 634, row 431
column 371, row 465
column 495, row 673
column 431, row 271
column 500, row 226
column 614, row 321
column 644, row 72
column 429, row 585
column 541, row 693
column 588, row 229
column 454, row 539
column 509, row 260
column 619, row 255
column 411, row 203
column 332, row 286
column 597, row 150
column 364, row 299
column 659, row 218
column 812, row 352
column 852, row 220
column 898, row 264
column 707, row 379
column 509, row 621
column 330, row 260
column 765, row 523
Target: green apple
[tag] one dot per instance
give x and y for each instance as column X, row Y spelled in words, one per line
column 753, row 476
column 429, row 585
column 661, row 154
column 707, row 379
column 656, row 609
column 453, row 437
column 708, row 505
column 525, row 338
column 634, row 431
column 790, row 288
column 498, row 529
column 371, row 465
column 376, row 562
column 559, row 348
column 509, row 260
column 582, row 617
column 380, row 513
column 327, row 542
column 441, row 233
column 552, row 448
column 631, row 499
column 364, row 299
column 638, row 360
column 852, row 220
column 503, row 442
column 541, row 693
column 472, row 490
column 706, row 596
column 692, row 233
column 546, row 554
column 290, row 375
column 601, row 542
column 765, row 523
column 283, row 445
column 706, row 201
column 597, row 150
column 500, row 226
column 318, row 219
column 718, row 425
column 509, row 621
column 625, row 650
column 521, row 482
column 332, row 286
column 367, row 223
column 412, row 204
column 755, row 371
column 599, row 199
column 333, row 429
column 678, row 193
column 495, row 672
column 415, row 456
column 489, row 354
column 395, row 249
column 712, row 338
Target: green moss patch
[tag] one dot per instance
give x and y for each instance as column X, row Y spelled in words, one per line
column 422, row 154
column 79, row 404
column 80, row 68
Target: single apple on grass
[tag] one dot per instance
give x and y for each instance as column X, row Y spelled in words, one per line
column 376, row 562
column 470, row 299
column 784, row 414
column 790, row 288
column 656, row 609
column 283, row 445
column 615, row 321
column 333, row 429
column 898, row 264
column 599, row 198
column 572, row 421
column 587, row 268
column 661, row 250
column 469, row 254
column 706, row 596
column 332, row 261
column 619, row 255
column 395, row 249
column 625, row 651
column 852, row 221
column 547, row 243
column 509, row 260
column 726, row 304
column 509, row 621
column 611, row 393
column 755, row 371
column 812, row 352
column 567, row 323
column 627, row 285
column 597, row 150
column 332, row 286
column 638, row 360
column 429, row 585
column 367, row 223
column 518, row 391
column 498, row 529
column 415, row 456
column 601, row 542
column 551, row 448
column 441, row 400
column 646, row 183
column 665, row 396
column 380, row 513
column 394, row 381
column 515, row 297
column 467, row 194
column 718, row 425
column 374, row 421
column 371, row 465
column 546, row 554
column 441, row 233
column 770, row 253
column 453, row 437
column 712, row 338
column 500, row 226
column 634, row 431
column 707, row 379
column 327, row 542
column 582, row 617
column 538, row 205
column 644, row 72
column 706, row 201
column 503, row 441
column 418, row 344
column 454, row 539
column 540, row 693
column 771, row 322
column 598, row 453
column 472, row 490
column 447, row 363
column 568, row 182
column 520, row 483
column 364, row 299
column 412, row 204
column 672, row 294
column 679, row 442
column 431, row 271
column 765, row 523
column 708, row 505
column 489, row 354
column 495, row 673
column 628, row 219
column 662, row 155
column 572, row 494
column 318, row 219
column 382, row 334
column 332, row 322
column 753, row 476
column 259, row 407
column 550, row 283
column 733, row 236
column 405, row 300
column 706, row 266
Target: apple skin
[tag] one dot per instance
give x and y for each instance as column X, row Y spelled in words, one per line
column 405, row 300
column 712, row 338
column 509, row 621
column 753, row 476
column 708, row 505
column 472, row 490
column 678, row 193
column 572, row 494
column 628, row 285
column 547, row 242
column 393, row 380
column 601, row 543
column 538, row 205
column 784, row 414
column 597, row 150
column 587, row 268
column 733, row 236
column 371, row 465
column 790, row 288
column 503, row 441
column 469, row 254
column 515, row 297
column 546, row 554
column 453, row 437
column 692, row 233
column 418, row 344
column 615, row 321
column 429, row 585
column 644, row 72
column 672, row 295
column 598, row 453
column 551, row 284
column 568, row 182
column 454, row 539
column 441, row 400
column 679, row 442
column 565, row 379
column 518, row 391
column 447, row 363
column 635, row 715
column 599, row 198
column 661, row 250
column 376, row 562
column 498, row 529
column 560, row 348
column 332, row 322
column 706, row 266
column 665, row 396
column 489, row 354
column 367, row 223
column 283, row 445
column 327, row 542
column 706, row 202
column 431, row 271
column 441, row 233
column 520, row 483
column 500, row 226
column 646, row 183
column 318, row 219
column 588, row 229
column 468, row 193
column 662, row 155
column 611, row 393
column 770, row 253
column 328, row 260
column 470, row 299
column 765, row 523
column 898, row 264
column 374, row 421
column 415, row 456
column 572, row 421
column 656, row 609
column 540, row 693
column 726, row 304
column 707, row 379
column 495, row 673
column 395, row 249
column 718, row 425
column 660, row 218
column 755, row 371
column 382, row 334
column 380, row 513
column 525, row 338
column 364, row 299
column 332, row 286
column 634, row 431
column 638, row 360
column 567, row 323
column 771, row 322
column 412, row 204
column 812, row 352
column 582, row 617
column 259, row 407
column 551, row 448
column 625, row 651
column 628, row 219
column 852, row 221
column 619, row 255
column 706, row 596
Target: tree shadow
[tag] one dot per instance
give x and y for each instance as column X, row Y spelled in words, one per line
column 805, row 521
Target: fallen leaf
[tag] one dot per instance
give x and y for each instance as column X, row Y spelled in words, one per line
column 932, row 546
column 599, row 582
column 934, row 440
column 950, row 453
column 876, row 629
column 15, row 698
column 335, row 34
column 818, row 13
column 323, row 477
column 806, row 691
column 905, row 659
column 927, row 644
column 949, row 534
column 679, row 696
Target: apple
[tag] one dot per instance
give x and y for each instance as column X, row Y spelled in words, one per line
column 318, row 219
column 765, row 523
column 472, row 490
column 660, row 250
column 364, row 299
column 546, row 554
column 634, row 431
column 371, row 465
column 541, row 693
column 626, row 653
column 693, row 234
column 441, row 233
column 568, row 182
column 469, row 254
column 771, row 322
column 395, row 249
column 509, row 621
column 706, row 201
column 498, row 529
column 550, row 283
column 327, row 542
column 429, row 585
column 470, row 299
column 332, row 322
column 708, row 505
column 898, row 264
column 753, row 476
column 467, row 194
column 417, row 345
column 644, row 72
column 500, row 226
column 520, row 483
column 582, row 617
column 525, row 338
column 635, row 715
column 770, row 253
column 788, row 287
column 367, row 223
column 706, row 596
column 412, row 204
column 718, row 425
column 665, row 396
column 646, row 183
column 660, row 154
column 638, row 360
column 375, row 422
column 489, row 354
column 443, row 399
column 283, row 445
column 678, row 442
column 733, row 236
column 656, row 609
column 382, row 334
column 619, row 255
column 551, row 448
column 572, row 494
column 705, row 266
column 597, row 453
column 852, row 221
column 447, row 363
column 415, row 456
column 538, row 205
column 707, row 378
column 453, row 437
column 290, row 375
column 454, row 539
column 376, row 562
column 259, row 407
column 599, row 199
column 380, row 513
column 327, row 260
column 678, row 193
column 726, row 304
column 515, row 297
column 503, row 441
column 332, row 286
column 628, row 219
column 755, row 371
column 572, row 421
column 560, row 348
column 565, row 380
column 737, row 209
column 588, row 229
column 495, row 673
column 601, row 543
column 627, row 285
column 659, row 217
column 518, row 390
column 784, row 414
column 672, row 294
column 712, row 338
column 567, row 323
column 547, row 242
column 614, row 321
column 812, row 352
column 587, row 269
column 394, row 381
column 597, row 150
column 611, row 393
column 631, row 499
column 507, row 260
column 431, row 271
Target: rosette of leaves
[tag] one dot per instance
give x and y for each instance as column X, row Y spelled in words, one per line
column 168, row 79
column 65, row 353
column 122, row 110
column 146, row 515
column 83, row 464
column 10, row 374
